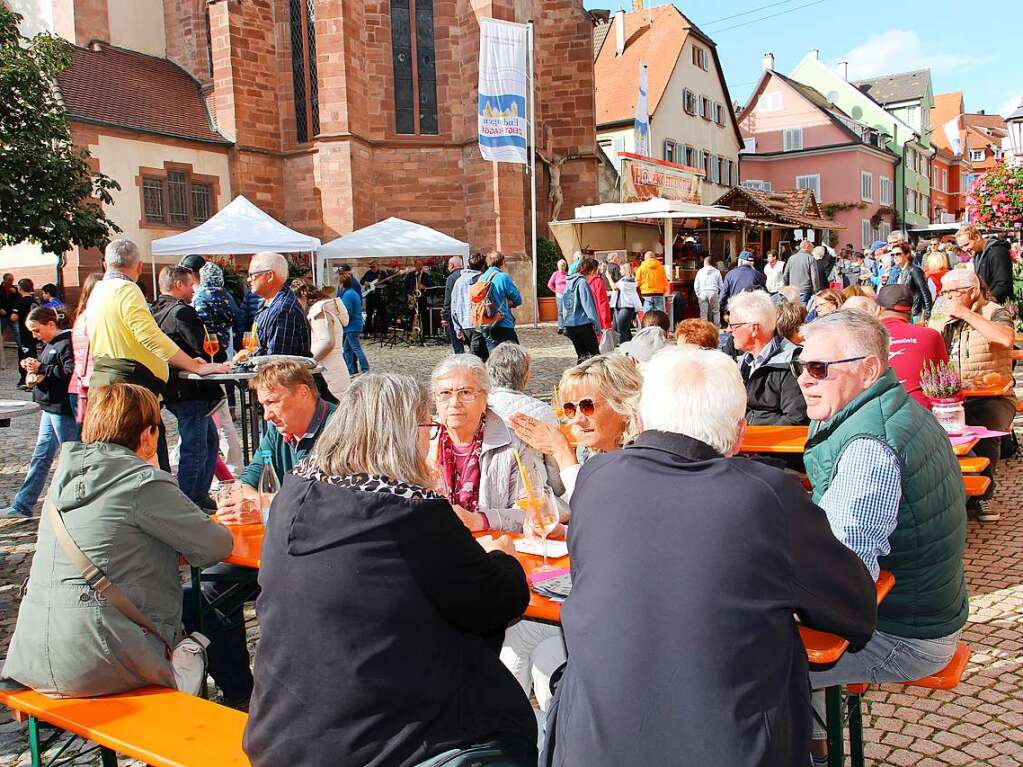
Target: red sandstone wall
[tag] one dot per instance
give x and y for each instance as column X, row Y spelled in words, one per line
column 185, row 32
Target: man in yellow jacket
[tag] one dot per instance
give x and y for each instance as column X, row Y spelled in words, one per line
column 125, row 343
column 651, row 282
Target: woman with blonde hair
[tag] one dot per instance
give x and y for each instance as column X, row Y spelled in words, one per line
column 132, row 521
column 825, row 302
column 601, row 398
column 369, row 572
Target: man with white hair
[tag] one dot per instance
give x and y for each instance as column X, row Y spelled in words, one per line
column 281, row 325
column 771, row 389
column 883, row 470
column 678, row 553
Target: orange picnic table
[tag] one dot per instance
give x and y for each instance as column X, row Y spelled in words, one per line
column 1000, row 390
column 791, row 440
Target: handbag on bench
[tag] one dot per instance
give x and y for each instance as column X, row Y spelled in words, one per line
column 187, row 659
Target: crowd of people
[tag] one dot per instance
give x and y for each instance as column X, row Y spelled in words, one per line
column 390, row 601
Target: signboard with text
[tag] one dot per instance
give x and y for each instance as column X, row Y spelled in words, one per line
column 644, row 178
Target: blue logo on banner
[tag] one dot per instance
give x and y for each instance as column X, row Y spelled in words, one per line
column 502, row 120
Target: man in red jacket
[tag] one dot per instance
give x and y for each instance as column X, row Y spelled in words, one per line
column 911, row 345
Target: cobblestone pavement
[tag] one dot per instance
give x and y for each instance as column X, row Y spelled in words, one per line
column 978, row 723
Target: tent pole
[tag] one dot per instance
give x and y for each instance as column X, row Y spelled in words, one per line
column 532, row 166
column 156, row 293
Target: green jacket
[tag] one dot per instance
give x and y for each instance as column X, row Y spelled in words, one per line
column 131, row 520
column 284, row 455
column 929, row 599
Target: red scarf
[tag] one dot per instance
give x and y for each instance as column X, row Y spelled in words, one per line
column 461, row 488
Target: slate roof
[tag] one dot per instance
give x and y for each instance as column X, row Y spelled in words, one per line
column 891, row 89
column 114, row 86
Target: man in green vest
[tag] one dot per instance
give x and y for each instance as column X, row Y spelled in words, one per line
column 884, row 472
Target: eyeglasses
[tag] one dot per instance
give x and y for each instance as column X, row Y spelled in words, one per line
column 817, row 368
column 434, row 428
column 584, row 406
column 955, row 291
column 253, row 275
column 446, row 395
column 733, row 325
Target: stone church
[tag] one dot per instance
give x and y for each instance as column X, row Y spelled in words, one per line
column 328, row 114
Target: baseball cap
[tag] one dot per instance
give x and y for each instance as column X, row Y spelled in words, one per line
column 878, row 245
column 193, row 262
column 746, row 256
column 897, row 298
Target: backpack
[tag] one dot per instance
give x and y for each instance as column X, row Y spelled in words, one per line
column 481, row 299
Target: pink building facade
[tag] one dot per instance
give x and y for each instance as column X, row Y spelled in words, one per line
column 796, row 139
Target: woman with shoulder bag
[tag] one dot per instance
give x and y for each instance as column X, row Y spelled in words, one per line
column 130, row 520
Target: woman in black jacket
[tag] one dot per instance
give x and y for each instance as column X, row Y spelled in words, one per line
column 380, row 615
column 902, row 258
column 51, row 374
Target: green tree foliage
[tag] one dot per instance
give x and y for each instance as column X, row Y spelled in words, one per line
column 48, row 193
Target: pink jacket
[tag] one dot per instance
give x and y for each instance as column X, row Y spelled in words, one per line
column 83, row 362
column 557, row 282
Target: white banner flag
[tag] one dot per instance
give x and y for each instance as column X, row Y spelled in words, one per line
column 502, row 91
column 952, row 134
column 641, row 126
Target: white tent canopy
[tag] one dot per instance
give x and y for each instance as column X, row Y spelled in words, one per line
column 392, row 238
column 238, row 228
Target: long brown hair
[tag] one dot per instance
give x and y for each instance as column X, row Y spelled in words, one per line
column 83, row 297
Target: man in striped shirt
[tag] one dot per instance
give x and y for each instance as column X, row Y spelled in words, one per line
column 281, row 325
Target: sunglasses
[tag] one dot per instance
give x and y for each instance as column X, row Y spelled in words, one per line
column 816, row 368
column 584, row 406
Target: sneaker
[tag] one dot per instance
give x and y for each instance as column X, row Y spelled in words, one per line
column 986, row 515
column 12, row 512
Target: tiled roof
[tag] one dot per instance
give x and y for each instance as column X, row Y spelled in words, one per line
column 599, row 35
column 947, row 107
column 891, row 89
column 657, row 45
column 991, row 122
column 114, row 86
column 793, row 206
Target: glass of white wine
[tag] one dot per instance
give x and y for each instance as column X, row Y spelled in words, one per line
column 542, row 513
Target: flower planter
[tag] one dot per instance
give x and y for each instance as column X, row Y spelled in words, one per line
column 548, row 308
column 950, row 414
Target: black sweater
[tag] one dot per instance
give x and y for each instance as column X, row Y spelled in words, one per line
column 378, row 615
column 56, row 364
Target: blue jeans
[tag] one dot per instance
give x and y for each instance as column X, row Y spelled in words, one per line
column 651, row 303
column 353, row 353
column 198, row 446
column 559, row 298
column 54, row 429
column 885, row 658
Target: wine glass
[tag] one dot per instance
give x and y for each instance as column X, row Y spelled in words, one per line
column 211, row 346
column 543, row 516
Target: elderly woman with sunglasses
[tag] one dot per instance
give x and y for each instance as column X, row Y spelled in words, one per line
column 474, row 450
column 601, row 398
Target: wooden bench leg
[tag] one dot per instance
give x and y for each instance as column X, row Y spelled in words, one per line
column 836, row 744
column 855, row 706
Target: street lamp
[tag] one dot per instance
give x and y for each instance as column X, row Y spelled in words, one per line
column 1015, row 125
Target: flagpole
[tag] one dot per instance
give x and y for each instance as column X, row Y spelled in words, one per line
column 532, row 164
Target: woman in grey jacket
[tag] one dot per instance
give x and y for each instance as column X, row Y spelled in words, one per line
column 131, row 520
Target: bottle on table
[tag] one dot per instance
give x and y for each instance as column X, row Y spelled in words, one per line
column 268, row 486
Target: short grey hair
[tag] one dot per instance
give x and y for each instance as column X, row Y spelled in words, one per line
column 373, row 431
column 121, row 254
column 455, row 262
column 508, row 366
column 754, row 306
column 856, row 332
column 275, row 262
column 790, row 293
column 455, row 362
column 695, row 392
column 820, row 251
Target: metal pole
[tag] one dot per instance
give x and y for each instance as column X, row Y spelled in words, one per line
column 532, row 165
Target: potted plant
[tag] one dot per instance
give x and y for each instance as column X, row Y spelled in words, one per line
column 941, row 384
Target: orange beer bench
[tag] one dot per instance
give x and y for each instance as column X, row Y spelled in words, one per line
column 156, row 725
